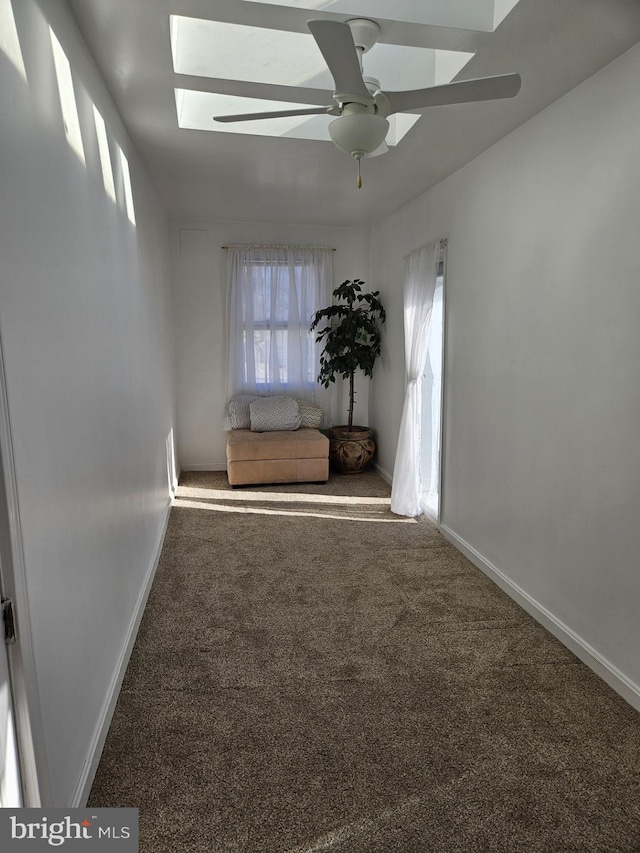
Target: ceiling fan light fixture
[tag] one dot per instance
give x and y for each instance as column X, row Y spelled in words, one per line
column 358, row 135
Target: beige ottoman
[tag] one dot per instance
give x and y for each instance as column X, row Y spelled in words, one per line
column 297, row 456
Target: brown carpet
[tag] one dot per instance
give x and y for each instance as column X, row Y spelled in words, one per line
column 313, row 673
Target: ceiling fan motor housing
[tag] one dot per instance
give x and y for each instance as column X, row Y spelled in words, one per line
column 365, row 33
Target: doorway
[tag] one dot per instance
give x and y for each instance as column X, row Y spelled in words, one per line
column 10, row 783
column 431, row 420
column 19, row 778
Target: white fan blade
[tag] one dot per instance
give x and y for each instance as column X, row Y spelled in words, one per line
column 341, row 55
column 311, row 111
column 461, row 92
column 381, row 149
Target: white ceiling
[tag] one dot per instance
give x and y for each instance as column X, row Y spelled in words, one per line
column 552, row 44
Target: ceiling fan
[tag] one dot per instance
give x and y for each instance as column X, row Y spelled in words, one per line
column 361, row 107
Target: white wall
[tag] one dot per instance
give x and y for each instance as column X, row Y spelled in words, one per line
column 541, row 473
column 86, row 327
column 199, row 285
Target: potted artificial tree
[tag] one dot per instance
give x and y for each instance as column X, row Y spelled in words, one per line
column 351, row 341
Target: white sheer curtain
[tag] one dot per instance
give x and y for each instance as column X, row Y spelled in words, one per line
column 272, row 295
column 421, row 272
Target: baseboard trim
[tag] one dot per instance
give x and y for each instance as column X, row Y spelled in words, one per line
column 609, row 673
column 386, row 476
column 429, row 513
column 174, row 485
column 83, row 788
column 206, row 466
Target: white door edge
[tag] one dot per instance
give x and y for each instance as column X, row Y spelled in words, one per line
column 24, row 689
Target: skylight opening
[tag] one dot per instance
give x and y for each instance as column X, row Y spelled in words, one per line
column 105, row 156
column 448, row 64
column 9, row 41
column 68, row 103
column 128, row 192
column 237, row 52
column 225, row 51
column 399, row 125
column 196, row 111
column 461, row 14
column 501, row 10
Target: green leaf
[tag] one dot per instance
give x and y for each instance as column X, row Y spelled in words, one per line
column 351, row 334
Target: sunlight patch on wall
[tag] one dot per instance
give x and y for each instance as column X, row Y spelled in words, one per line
column 257, row 54
column 9, row 41
column 128, row 192
column 68, row 103
column 196, row 111
column 105, row 157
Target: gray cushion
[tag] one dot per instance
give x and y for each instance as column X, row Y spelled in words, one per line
column 239, row 415
column 274, row 413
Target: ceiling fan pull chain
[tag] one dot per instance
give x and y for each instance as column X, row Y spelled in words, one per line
column 359, row 181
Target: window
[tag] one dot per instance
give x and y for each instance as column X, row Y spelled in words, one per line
column 273, row 294
column 270, row 340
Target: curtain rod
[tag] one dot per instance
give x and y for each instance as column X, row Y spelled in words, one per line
column 271, row 246
column 443, row 245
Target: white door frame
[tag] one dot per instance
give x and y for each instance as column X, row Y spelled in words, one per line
column 436, row 518
column 22, row 673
